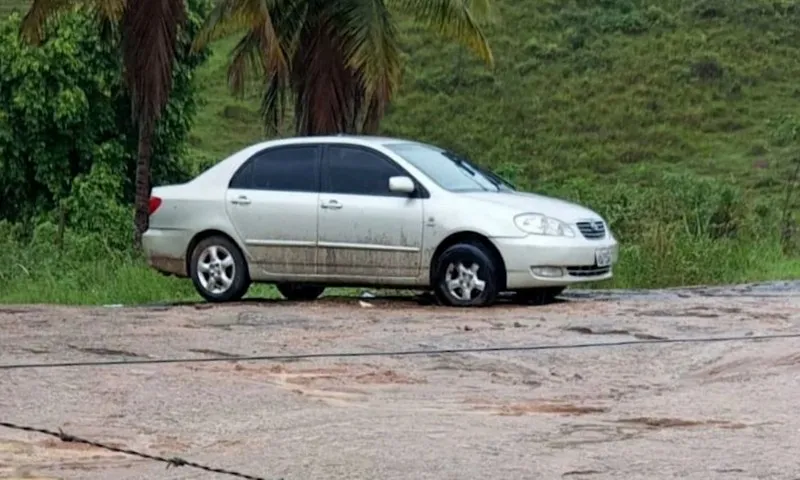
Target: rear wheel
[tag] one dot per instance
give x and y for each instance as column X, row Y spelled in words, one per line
column 299, row 291
column 465, row 275
column 218, row 270
column 538, row 296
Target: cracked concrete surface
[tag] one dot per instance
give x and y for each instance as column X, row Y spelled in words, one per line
column 693, row 411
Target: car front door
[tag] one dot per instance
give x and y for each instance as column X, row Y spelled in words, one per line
column 365, row 230
column 273, row 202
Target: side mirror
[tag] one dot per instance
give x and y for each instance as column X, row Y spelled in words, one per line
column 401, row 184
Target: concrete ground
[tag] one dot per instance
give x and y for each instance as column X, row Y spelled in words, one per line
column 692, row 411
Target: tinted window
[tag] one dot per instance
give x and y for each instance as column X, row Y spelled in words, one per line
column 242, row 178
column 287, row 169
column 358, row 171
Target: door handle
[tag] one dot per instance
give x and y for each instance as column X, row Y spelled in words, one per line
column 241, row 200
column 332, row 205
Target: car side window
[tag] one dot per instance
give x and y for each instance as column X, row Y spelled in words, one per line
column 358, row 171
column 284, row 169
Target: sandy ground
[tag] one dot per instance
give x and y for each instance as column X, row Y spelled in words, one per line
column 693, row 411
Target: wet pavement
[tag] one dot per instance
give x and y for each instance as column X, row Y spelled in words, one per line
column 704, row 410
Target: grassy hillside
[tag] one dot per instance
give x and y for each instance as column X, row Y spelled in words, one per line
column 586, row 88
column 595, row 100
column 9, row 6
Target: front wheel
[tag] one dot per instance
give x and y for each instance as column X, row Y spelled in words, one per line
column 466, row 276
column 300, row 292
column 218, row 270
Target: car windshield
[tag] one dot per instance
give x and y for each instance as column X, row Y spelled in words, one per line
column 449, row 170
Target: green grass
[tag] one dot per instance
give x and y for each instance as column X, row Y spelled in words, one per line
column 573, row 95
column 597, row 101
column 109, row 281
column 9, row 6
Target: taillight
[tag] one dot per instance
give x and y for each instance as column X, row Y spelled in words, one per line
column 155, row 202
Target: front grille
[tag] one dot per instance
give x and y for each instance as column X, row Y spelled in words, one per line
column 595, row 230
column 590, row 271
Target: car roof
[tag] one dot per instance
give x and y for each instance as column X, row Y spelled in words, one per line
column 367, row 140
column 229, row 165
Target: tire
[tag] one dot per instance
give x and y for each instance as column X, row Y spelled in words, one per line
column 300, row 292
column 219, row 279
column 457, row 265
column 538, row 296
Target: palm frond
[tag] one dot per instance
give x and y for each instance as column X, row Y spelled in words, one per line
column 109, row 10
column 150, row 30
column 35, row 19
column 481, row 9
column 371, row 49
column 452, row 18
column 273, row 103
column 322, row 82
column 109, row 29
column 246, row 57
column 263, row 50
column 254, row 16
column 231, row 16
column 288, row 19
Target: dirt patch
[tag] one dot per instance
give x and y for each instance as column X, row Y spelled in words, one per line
column 333, row 375
column 105, row 352
column 614, row 331
column 537, row 407
column 788, row 360
column 679, row 423
column 52, row 443
column 15, row 447
column 168, row 444
column 575, row 473
column 30, row 476
column 213, row 353
column 386, row 377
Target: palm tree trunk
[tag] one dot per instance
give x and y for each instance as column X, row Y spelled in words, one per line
column 142, row 199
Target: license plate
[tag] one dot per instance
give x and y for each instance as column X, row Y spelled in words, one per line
column 602, row 257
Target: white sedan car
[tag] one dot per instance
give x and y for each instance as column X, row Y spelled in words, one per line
column 311, row 212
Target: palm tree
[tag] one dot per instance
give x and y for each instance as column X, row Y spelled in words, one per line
column 149, row 30
column 337, row 60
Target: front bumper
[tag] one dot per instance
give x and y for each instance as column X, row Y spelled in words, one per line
column 540, row 261
column 165, row 250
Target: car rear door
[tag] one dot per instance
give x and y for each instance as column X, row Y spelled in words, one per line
column 365, row 230
column 273, row 202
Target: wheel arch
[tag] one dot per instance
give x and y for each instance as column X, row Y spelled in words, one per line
column 468, row 236
column 199, row 237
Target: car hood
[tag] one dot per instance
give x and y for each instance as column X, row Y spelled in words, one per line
column 526, row 202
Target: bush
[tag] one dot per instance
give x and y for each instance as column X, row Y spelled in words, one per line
column 67, row 162
column 67, row 140
column 687, row 230
column 83, row 269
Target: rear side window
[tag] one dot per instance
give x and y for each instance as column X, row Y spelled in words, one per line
column 283, row 169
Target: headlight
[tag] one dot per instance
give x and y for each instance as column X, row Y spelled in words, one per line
column 539, row 224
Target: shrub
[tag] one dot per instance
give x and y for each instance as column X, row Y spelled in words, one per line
column 67, row 140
